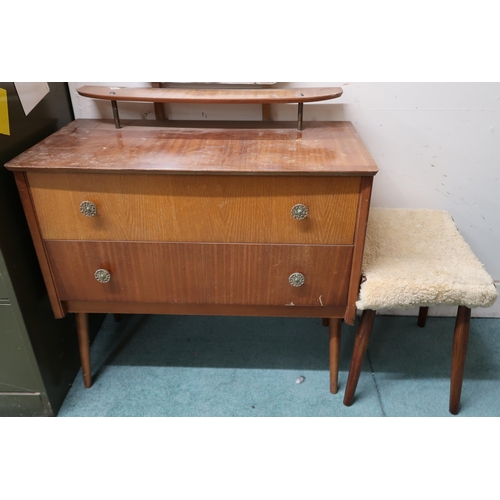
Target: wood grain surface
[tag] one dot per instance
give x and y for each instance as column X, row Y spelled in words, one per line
column 211, row 96
column 260, row 148
column 93, row 306
column 359, row 245
column 201, row 273
column 180, row 208
column 38, row 242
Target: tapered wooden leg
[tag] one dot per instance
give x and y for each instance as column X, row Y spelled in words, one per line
column 360, row 345
column 82, row 328
column 460, row 341
column 335, row 329
column 117, row 317
column 326, row 322
column 422, row 316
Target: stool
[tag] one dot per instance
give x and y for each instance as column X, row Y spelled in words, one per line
column 417, row 258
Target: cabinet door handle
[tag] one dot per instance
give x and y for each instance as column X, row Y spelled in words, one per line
column 296, row 279
column 88, row 208
column 102, row 276
column 299, row 211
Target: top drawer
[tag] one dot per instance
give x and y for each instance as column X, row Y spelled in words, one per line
column 196, row 208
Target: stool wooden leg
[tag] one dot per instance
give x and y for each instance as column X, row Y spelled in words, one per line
column 82, row 328
column 460, row 341
column 335, row 329
column 422, row 316
column 326, row 322
column 360, row 345
column 117, row 317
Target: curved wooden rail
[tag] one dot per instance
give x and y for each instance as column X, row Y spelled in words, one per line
column 211, row 96
column 264, row 96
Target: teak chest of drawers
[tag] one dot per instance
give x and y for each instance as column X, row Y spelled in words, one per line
column 218, row 218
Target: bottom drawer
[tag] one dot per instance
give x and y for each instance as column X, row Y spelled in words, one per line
column 201, row 273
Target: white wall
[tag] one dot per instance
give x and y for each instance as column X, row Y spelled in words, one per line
column 437, row 146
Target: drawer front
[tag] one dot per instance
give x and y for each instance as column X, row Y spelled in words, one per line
column 185, row 273
column 191, row 208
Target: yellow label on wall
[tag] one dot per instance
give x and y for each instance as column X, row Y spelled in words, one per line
column 4, row 113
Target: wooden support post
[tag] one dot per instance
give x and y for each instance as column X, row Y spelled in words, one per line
column 422, row 316
column 460, row 342
column 266, row 112
column 82, row 328
column 159, row 106
column 360, row 345
column 335, row 330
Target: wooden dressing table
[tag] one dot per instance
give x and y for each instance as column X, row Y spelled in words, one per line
column 208, row 218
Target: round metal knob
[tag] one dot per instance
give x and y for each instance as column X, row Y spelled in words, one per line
column 299, row 211
column 296, row 279
column 88, row 208
column 102, row 276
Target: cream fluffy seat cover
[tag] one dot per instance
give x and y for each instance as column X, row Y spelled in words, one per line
column 417, row 257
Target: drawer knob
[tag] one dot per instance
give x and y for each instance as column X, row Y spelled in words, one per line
column 88, row 208
column 299, row 211
column 296, row 279
column 102, row 276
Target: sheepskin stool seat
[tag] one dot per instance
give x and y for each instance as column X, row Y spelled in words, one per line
column 417, row 258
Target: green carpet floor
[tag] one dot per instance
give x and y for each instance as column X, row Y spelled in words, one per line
column 188, row 366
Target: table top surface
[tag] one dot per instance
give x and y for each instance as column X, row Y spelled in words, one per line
column 256, row 148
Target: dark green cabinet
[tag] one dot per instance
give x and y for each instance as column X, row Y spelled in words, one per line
column 18, row 373
column 20, row 381
column 38, row 354
column 3, row 288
